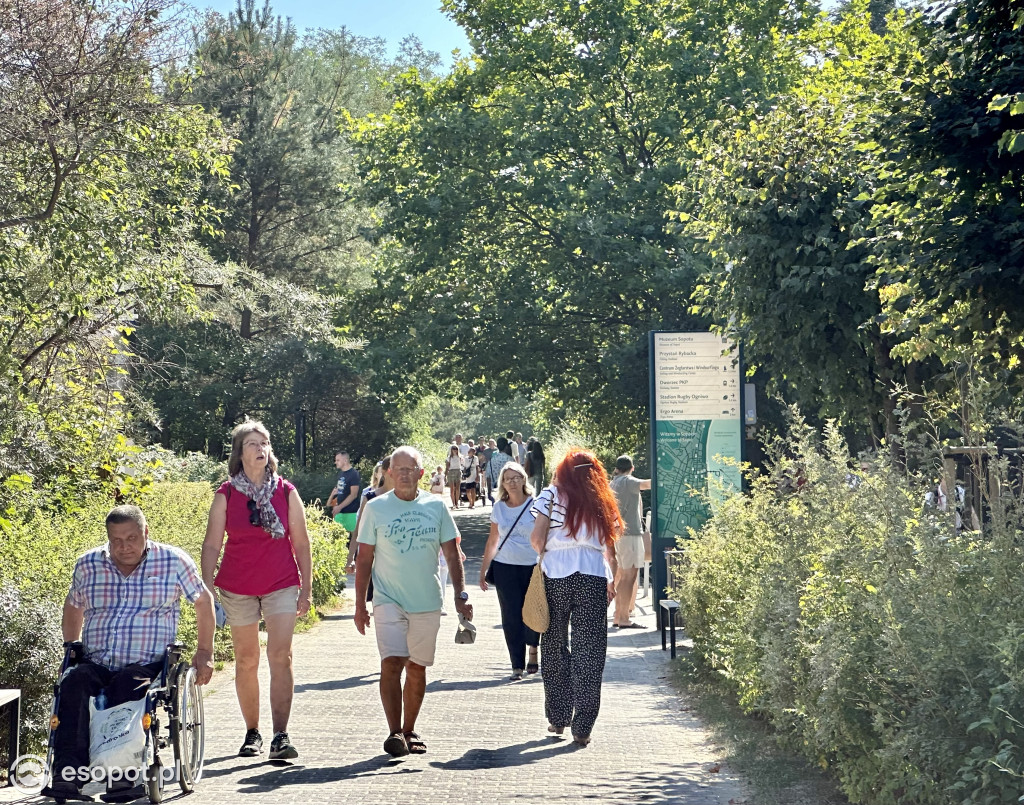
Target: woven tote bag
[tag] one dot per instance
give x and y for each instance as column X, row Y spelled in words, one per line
column 535, row 605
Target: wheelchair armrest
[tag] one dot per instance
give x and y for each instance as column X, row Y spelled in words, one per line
column 172, row 655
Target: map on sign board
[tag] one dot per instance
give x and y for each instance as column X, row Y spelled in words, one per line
column 697, row 428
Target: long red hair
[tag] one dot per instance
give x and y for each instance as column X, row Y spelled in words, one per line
column 589, row 501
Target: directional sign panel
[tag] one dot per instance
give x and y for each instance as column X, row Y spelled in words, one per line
column 696, row 427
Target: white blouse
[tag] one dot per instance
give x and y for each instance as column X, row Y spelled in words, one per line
column 565, row 555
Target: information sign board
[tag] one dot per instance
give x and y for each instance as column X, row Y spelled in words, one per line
column 696, row 429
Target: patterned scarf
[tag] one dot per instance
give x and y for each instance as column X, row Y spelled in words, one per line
column 262, row 494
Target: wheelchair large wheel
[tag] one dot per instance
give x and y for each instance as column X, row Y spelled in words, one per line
column 187, row 728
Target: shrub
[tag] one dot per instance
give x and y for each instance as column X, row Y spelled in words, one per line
column 30, row 655
column 313, row 485
column 878, row 640
column 330, row 554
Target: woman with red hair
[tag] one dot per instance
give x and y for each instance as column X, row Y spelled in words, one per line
column 576, row 528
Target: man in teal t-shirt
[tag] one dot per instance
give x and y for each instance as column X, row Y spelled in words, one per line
column 401, row 533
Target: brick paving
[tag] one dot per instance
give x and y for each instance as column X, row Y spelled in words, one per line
column 486, row 737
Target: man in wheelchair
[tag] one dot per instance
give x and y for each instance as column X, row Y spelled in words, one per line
column 124, row 607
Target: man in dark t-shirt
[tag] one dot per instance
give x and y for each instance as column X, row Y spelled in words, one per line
column 346, row 494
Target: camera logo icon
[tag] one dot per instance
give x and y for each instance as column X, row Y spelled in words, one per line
column 29, row 774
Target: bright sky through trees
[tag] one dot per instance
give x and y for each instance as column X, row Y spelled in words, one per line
column 392, row 20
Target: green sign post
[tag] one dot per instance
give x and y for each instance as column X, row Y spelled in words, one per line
column 696, row 431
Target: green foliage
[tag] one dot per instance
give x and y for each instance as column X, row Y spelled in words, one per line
column 779, row 208
column 856, row 620
column 946, row 226
column 527, row 194
column 330, row 554
column 289, row 246
column 30, row 653
column 98, row 207
column 313, row 485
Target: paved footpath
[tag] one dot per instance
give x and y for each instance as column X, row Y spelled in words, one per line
column 486, row 736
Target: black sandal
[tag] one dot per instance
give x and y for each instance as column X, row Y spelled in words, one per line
column 532, row 668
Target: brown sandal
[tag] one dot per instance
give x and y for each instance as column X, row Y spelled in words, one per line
column 416, row 746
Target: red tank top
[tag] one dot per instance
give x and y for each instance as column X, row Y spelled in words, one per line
column 254, row 563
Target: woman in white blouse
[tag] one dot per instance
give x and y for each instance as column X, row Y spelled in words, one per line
column 577, row 524
column 511, row 558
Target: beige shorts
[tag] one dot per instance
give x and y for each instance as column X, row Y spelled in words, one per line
column 406, row 634
column 243, row 610
column 629, row 550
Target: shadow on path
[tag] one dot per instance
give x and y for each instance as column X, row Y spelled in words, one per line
column 339, row 684
column 309, row 775
column 508, row 756
column 465, row 684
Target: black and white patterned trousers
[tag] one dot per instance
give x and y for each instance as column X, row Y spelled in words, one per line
column 578, row 607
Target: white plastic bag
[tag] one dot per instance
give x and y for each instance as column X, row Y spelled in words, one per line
column 116, row 737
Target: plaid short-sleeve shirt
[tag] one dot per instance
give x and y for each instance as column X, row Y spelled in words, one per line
column 131, row 619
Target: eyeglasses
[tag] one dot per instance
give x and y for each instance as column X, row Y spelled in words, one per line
column 406, row 470
column 262, row 443
column 254, row 513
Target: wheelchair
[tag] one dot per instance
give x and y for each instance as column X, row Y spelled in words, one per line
column 174, row 701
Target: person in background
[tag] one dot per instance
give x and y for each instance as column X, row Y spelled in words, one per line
column 534, row 464
column 437, row 480
column 630, row 547
column 346, row 492
column 511, row 558
column 442, row 568
column 481, row 470
column 265, row 574
column 453, row 473
column 489, row 451
column 501, row 456
column 576, row 529
column 519, row 449
column 463, row 447
column 470, row 469
column 381, row 486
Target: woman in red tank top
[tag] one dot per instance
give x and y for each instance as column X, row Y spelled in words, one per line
column 265, row 572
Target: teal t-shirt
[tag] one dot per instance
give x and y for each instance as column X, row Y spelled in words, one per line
column 406, row 536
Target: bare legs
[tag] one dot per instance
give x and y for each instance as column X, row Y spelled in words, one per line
column 246, row 640
column 280, row 629
column 279, row 656
column 395, row 698
column 412, row 695
column 625, row 593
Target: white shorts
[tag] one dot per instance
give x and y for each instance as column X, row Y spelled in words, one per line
column 406, row 634
column 629, row 550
